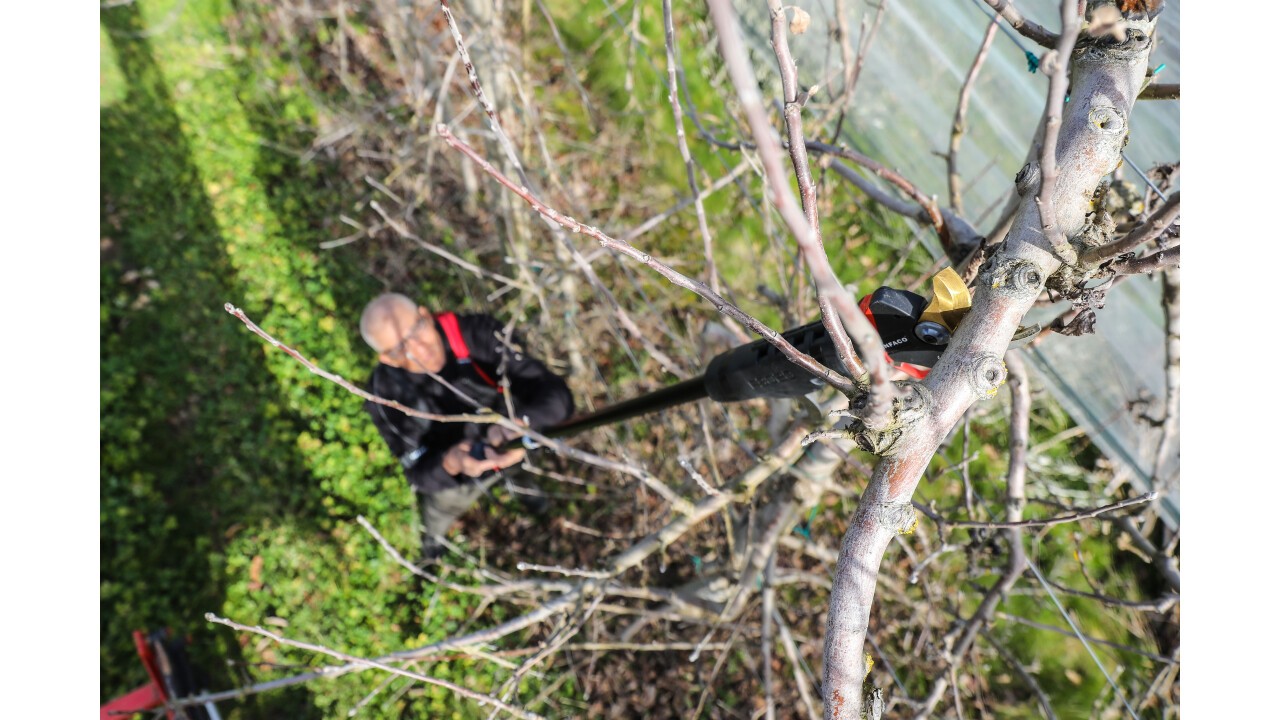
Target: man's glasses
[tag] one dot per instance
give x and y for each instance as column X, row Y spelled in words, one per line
column 397, row 353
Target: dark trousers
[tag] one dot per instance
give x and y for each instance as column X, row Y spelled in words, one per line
column 441, row 507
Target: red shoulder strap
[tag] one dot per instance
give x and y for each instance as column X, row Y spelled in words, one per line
column 449, row 323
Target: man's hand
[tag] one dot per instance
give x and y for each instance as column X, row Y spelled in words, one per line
column 497, row 435
column 458, row 460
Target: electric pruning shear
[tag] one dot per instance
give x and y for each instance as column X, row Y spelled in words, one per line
column 915, row 332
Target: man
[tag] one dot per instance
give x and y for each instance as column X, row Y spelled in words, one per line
column 452, row 365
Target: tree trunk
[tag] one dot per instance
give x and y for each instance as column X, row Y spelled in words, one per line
column 1105, row 81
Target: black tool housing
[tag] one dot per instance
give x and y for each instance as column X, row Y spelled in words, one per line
column 760, row 370
column 896, row 314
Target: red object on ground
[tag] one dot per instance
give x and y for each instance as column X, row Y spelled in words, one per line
column 146, row 697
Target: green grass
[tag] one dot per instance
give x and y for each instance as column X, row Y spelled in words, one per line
column 216, row 449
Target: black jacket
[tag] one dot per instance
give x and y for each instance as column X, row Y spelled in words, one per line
column 536, row 392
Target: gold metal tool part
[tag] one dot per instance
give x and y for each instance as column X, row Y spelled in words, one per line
column 951, row 300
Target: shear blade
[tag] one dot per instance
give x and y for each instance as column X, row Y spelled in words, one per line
column 1024, row 334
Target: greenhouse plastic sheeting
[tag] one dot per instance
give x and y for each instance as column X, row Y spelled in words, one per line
column 902, row 115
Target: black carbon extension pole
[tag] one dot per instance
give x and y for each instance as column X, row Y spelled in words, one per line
column 760, row 370
column 754, row 370
column 678, row 394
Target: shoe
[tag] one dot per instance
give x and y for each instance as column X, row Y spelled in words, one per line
column 432, row 551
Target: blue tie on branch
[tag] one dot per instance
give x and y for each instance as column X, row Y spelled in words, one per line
column 803, row 528
column 1033, row 62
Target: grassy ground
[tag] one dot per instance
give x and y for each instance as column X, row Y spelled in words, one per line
column 231, row 477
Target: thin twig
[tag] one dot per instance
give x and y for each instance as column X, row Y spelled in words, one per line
column 1036, row 33
column 713, row 277
column 1163, row 562
column 866, row 37
column 395, row 554
column 775, row 338
column 945, row 548
column 1147, row 264
column 1066, row 632
column 962, row 107
column 864, row 336
column 355, row 709
column 794, row 104
column 472, row 268
column 766, row 634
column 927, row 204
column 1151, row 229
column 925, row 210
column 1166, row 673
column 478, row 90
column 1161, row 91
column 961, row 638
column 803, row 683
column 1161, row 605
column 1083, row 641
column 1022, row 672
column 562, row 570
column 364, row 662
column 658, row 219
column 1172, row 301
column 1062, row 519
column 570, row 70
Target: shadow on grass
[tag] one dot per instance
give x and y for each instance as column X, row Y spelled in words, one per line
column 195, row 441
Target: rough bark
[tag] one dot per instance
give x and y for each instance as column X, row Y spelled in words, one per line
column 1105, row 81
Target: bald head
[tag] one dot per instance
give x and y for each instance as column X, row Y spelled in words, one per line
column 402, row 334
column 388, row 311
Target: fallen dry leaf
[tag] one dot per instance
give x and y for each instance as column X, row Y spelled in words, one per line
column 255, row 573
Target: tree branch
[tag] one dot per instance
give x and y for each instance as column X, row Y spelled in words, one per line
column 1172, row 300
column 1161, row 91
column 1053, row 123
column 864, row 336
column 852, row 70
column 831, row 377
column 1050, row 522
column 928, row 204
column 1149, row 230
column 363, row 662
column 1036, row 33
column 713, row 277
column 1106, row 79
column 1147, row 264
column 1015, row 502
column 804, row 178
column 962, row 106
